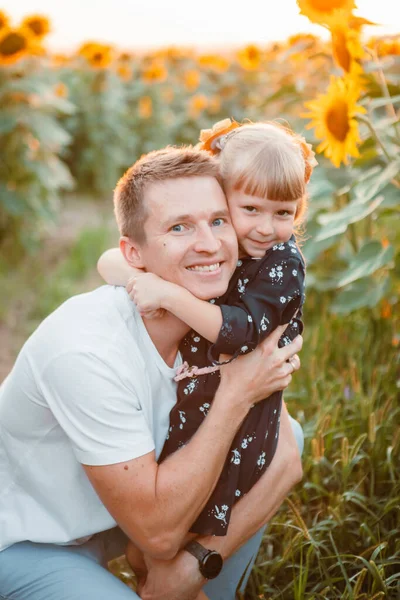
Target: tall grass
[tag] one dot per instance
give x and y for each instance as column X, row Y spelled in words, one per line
column 338, row 535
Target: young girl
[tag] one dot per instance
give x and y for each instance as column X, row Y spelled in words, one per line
column 265, row 168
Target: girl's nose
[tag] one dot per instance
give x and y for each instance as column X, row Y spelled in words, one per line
column 265, row 227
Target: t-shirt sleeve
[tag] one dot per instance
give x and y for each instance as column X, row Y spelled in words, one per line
column 271, row 298
column 99, row 411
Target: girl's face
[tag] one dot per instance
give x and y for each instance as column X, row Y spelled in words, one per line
column 260, row 223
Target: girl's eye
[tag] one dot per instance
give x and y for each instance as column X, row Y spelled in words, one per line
column 250, row 208
column 284, row 213
column 218, row 222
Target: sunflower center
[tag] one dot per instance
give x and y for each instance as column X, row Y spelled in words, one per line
column 252, row 53
column 337, row 120
column 327, row 6
column 36, row 26
column 12, row 44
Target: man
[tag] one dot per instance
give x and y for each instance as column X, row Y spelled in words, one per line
column 84, row 414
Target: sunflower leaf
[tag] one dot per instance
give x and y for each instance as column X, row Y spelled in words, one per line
column 379, row 102
column 361, row 294
column 371, row 257
column 335, row 223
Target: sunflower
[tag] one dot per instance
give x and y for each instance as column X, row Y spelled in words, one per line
column 124, row 72
column 38, row 25
column 302, row 38
column 385, row 46
column 145, row 107
column 333, row 117
column 155, row 72
column 98, row 56
column 213, row 62
column 86, row 49
column 346, row 45
column 197, row 104
column 14, row 44
column 4, row 20
column 191, row 79
column 322, row 11
column 250, row 57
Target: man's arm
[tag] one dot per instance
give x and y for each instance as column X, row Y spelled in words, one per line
column 181, row 578
column 156, row 504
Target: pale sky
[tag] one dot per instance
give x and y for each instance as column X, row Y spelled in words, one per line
column 131, row 24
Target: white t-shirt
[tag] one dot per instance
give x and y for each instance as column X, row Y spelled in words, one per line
column 88, row 387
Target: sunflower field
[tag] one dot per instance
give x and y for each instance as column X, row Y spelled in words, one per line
column 71, row 124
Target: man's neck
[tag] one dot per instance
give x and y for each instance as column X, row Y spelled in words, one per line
column 166, row 334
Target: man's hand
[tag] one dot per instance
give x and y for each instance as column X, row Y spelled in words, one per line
column 263, row 371
column 135, row 558
column 176, row 579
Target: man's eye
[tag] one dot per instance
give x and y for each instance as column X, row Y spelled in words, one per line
column 177, row 228
column 218, row 222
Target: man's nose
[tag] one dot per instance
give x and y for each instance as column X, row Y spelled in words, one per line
column 207, row 240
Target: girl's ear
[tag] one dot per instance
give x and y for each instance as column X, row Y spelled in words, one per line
column 131, row 252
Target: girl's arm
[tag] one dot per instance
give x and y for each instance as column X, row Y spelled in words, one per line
column 113, row 268
column 150, row 292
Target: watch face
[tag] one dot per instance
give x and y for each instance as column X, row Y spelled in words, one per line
column 211, row 565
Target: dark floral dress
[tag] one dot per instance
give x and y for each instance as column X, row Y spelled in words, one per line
column 262, row 294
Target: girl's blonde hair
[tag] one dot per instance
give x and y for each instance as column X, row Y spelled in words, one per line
column 267, row 160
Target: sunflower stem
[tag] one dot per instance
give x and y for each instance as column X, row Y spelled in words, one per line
column 375, row 135
column 391, row 111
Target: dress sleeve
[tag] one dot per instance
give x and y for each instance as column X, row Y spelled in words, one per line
column 271, row 298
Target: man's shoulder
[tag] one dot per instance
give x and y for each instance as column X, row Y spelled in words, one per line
column 92, row 322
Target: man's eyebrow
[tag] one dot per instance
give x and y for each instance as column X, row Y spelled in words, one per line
column 220, row 213
column 178, row 219
column 188, row 217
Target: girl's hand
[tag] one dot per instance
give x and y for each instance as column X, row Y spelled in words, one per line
column 148, row 291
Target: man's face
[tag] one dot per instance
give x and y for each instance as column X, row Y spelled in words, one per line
column 189, row 237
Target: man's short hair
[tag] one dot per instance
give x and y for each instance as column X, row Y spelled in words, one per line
column 155, row 167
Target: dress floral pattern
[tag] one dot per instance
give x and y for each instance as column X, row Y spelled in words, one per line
column 262, row 294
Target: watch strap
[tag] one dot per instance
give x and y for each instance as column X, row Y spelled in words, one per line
column 197, row 550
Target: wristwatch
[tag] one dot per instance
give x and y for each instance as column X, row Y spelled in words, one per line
column 210, row 561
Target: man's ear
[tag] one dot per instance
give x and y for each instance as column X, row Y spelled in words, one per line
column 131, row 252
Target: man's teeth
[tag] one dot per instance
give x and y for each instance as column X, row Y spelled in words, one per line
column 213, row 267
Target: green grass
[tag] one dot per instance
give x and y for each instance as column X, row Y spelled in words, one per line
column 338, row 536
column 33, row 289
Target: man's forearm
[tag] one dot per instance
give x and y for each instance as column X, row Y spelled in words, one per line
column 257, row 507
column 193, row 480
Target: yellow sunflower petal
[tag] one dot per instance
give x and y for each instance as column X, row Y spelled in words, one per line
column 4, row 20
column 333, row 117
column 322, row 11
